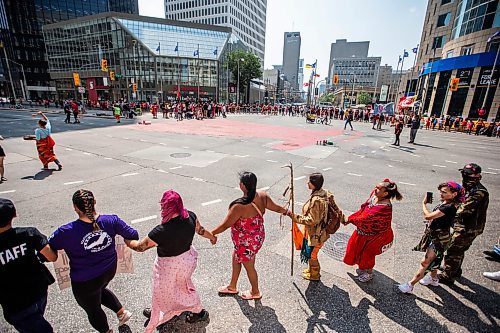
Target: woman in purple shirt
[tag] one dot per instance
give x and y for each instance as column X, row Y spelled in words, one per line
column 89, row 243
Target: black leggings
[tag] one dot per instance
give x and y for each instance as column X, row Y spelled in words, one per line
column 90, row 295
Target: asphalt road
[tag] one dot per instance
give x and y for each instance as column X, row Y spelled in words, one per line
column 128, row 166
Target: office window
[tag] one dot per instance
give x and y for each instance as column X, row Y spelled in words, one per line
column 467, row 50
column 443, row 20
column 449, row 54
column 444, row 2
column 438, row 42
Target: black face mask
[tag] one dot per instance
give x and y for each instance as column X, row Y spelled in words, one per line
column 469, row 182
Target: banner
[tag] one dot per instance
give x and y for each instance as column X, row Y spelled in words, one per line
column 384, row 108
column 124, row 263
column 384, row 89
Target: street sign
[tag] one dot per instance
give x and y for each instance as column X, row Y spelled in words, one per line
column 81, row 90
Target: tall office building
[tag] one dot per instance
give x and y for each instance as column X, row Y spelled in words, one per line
column 291, row 56
column 21, row 33
column 456, row 43
column 246, row 18
column 350, row 61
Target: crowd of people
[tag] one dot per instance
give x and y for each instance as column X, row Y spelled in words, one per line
column 89, row 243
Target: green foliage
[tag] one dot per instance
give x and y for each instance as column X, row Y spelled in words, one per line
column 328, row 97
column 364, row 98
column 250, row 67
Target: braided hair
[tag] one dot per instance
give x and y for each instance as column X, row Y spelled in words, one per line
column 248, row 179
column 84, row 200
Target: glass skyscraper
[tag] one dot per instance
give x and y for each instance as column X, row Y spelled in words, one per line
column 21, row 25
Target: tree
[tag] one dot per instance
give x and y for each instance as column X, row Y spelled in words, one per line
column 327, row 97
column 250, row 67
column 364, row 98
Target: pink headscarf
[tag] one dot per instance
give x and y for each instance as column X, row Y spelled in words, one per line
column 171, row 205
column 458, row 189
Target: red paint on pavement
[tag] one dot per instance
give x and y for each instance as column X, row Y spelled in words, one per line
column 293, row 138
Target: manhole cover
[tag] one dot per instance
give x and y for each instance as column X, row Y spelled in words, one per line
column 335, row 246
column 180, row 155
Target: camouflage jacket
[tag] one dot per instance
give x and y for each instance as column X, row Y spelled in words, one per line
column 471, row 215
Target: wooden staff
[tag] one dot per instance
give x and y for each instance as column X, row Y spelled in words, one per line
column 292, row 205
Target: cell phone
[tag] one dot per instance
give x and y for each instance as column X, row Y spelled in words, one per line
column 428, row 198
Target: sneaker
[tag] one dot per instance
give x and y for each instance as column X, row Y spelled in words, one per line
column 360, row 271
column 365, row 277
column 196, row 317
column 429, row 280
column 495, row 276
column 445, row 280
column 124, row 317
column 406, row 288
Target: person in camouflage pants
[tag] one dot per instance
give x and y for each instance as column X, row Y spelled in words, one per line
column 468, row 224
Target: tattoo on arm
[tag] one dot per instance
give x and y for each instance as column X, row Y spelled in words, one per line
column 201, row 231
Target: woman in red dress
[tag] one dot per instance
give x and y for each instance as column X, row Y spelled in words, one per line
column 373, row 234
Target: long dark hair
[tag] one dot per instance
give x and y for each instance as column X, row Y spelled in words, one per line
column 248, row 179
column 84, row 200
column 392, row 190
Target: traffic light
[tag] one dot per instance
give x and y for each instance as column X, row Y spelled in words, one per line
column 112, row 75
column 104, row 65
column 76, row 79
column 454, row 84
column 134, row 87
column 335, row 79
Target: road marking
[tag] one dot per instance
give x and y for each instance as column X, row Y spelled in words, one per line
column 130, row 174
column 185, row 147
column 175, row 168
column 75, row 182
column 9, row 191
column 241, row 155
column 439, row 166
column 450, row 162
column 263, row 188
column 452, row 144
column 88, row 154
column 108, row 158
column 144, row 219
column 397, row 161
column 211, row 202
column 490, row 173
column 363, row 144
column 360, row 156
column 410, row 184
column 133, row 164
column 162, row 171
column 272, row 161
column 69, row 149
column 198, row 179
column 299, row 178
column 354, row 174
column 374, row 151
column 493, row 169
column 326, row 169
column 347, row 162
column 142, row 140
column 390, row 166
column 210, row 151
column 386, row 149
column 163, row 144
column 269, row 151
column 415, row 155
column 309, row 167
column 125, row 138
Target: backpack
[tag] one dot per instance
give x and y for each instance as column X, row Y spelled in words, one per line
column 334, row 216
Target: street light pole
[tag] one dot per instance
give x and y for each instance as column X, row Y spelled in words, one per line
column 491, row 79
column 352, row 91
column 238, row 83
column 24, row 77
column 10, row 73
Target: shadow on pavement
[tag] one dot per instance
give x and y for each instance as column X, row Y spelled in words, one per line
column 400, row 308
column 427, row 146
column 455, row 311
column 40, row 175
column 263, row 318
column 178, row 324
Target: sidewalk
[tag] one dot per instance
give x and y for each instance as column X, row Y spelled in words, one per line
column 53, row 110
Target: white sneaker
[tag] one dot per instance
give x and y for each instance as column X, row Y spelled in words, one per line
column 365, row 277
column 495, row 276
column 429, row 280
column 406, row 288
column 124, row 317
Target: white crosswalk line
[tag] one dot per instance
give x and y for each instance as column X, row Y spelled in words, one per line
column 299, row 178
column 175, row 168
column 9, row 191
column 130, row 174
column 347, row 162
column 211, row 202
column 75, row 182
column 144, row 219
column 439, row 166
column 410, row 184
column 326, row 169
column 354, row 174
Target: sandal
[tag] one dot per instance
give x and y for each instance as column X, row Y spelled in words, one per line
column 247, row 294
column 226, row 291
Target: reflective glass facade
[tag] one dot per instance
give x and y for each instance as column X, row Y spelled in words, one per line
column 158, row 55
column 475, row 15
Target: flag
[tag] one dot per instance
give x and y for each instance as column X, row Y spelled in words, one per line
column 384, row 108
column 400, row 59
column 415, row 49
column 308, row 66
column 405, row 54
column 196, row 53
column 215, row 51
column 311, row 66
column 176, row 48
column 158, row 48
column 317, row 75
column 494, row 36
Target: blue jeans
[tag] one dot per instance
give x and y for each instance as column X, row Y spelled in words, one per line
column 30, row 319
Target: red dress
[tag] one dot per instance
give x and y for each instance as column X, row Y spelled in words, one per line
column 373, row 235
column 248, row 236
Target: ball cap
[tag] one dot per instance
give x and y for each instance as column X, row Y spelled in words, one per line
column 7, row 211
column 470, row 169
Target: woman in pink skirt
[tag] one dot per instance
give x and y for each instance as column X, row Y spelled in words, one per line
column 173, row 289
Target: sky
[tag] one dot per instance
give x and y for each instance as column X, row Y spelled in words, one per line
column 390, row 25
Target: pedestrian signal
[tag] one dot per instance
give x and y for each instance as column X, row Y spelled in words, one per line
column 335, row 79
column 104, row 65
column 134, row 87
column 76, row 79
column 454, row 84
column 112, row 75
